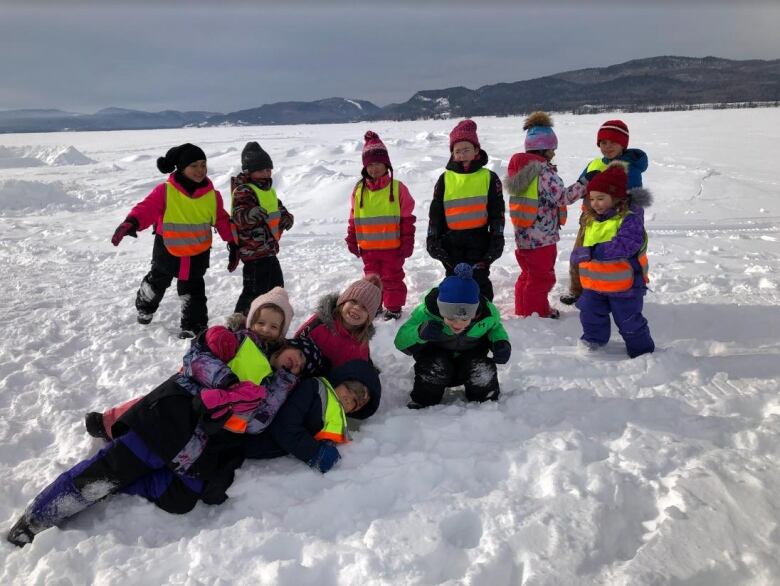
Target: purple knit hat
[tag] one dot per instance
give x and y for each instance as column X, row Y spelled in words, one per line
column 539, row 133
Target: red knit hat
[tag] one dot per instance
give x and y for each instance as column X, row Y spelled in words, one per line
column 613, row 181
column 374, row 150
column 465, row 130
column 614, row 130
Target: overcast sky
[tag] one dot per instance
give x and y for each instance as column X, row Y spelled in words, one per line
column 229, row 55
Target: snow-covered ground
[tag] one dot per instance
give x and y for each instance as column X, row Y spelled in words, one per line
column 591, row 469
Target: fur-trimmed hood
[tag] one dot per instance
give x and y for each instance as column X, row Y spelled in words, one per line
column 519, row 182
column 640, row 197
column 326, row 307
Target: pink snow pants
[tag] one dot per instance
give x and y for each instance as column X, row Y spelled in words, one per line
column 389, row 265
column 536, row 280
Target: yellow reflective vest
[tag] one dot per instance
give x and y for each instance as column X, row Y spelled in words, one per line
column 269, row 201
column 333, row 416
column 524, row 207
column 377, row 220
column 187, row 221
column 609, row 276
column 249, row 364
column 465, row 199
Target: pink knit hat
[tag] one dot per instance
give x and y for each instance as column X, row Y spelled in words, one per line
column 278, row 297
column 374, row 150
column 464, row 130
column 367, row 292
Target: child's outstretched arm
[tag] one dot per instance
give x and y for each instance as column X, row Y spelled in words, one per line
column 289, row 429
column 223, row 224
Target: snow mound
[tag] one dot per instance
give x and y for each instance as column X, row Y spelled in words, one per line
column 21, row 195
column 37, row 156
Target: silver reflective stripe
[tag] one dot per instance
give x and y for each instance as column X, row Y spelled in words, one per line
column 373, row 221
column 467, row 216
column 605, row 276
column 461, row 201
column 169, row 227
column 380, row 235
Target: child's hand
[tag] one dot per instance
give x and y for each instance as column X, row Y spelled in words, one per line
column 126, row 228
column 222, row 343
column 326, row 457
column 286, row 222
column 502, row 350
column 580, row 254
column 431, row 331
column 233, row 257
column 353, row 248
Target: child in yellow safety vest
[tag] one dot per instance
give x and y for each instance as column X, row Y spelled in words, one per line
column 313, row 420
column 260, row 219
column 381, row 224
column 537, row 209
column 183, row 211
column 466, row 217
column 612, row 263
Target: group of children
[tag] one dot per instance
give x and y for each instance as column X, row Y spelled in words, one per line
column 246, row 391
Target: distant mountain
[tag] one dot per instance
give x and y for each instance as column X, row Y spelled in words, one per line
column 656, row 82
column 107, row 119
column 634, row 85
column 319, row 112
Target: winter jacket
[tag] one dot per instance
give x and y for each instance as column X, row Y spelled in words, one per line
column 255, row 239
column 484, row 244
column 335, row 342
column 523, row 169
column 150, row 211
column 407, row 216
column 484, row 330
column 629, row 240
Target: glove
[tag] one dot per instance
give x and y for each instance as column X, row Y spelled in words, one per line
column 353, row 247
column 286, row 222
column 222, row 343
column 502, row 350
column 431, row 331
column 241, row 398
column 586, row 177
column 126, row 228
column 325, row 458
column 580, row 254
column 233, row 257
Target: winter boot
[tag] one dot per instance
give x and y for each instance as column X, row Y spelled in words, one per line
column 93, row 421
column 21, row 533
column 569, row 298
column 554, row 313
column 145, row 318
column 186, row 334
column 390, row 314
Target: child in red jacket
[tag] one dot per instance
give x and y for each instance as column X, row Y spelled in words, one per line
column 183, row 210
column 381, row 224
column 342, row 326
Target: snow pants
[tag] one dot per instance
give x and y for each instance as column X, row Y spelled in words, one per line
column 125, row 465
column 536, row 280
column 260, row 276
column 435, row 369
column 389, row 265
column 192, row 292
column 595, row 309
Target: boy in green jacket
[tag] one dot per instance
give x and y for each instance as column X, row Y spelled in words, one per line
column 449, row 336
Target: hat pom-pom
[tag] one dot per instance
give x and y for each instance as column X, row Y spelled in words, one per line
column 374, row 279
column 164, row 165
column 537, row 119
column 371, row 135
column 464, row 270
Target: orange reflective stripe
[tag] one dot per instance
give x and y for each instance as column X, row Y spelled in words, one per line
column 235, row 424
column 611, row 276
column 328, row 435
column 374, row 228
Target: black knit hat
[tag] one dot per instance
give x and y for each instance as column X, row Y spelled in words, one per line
column 364, row 372
column 179, row 157
column 254, row 158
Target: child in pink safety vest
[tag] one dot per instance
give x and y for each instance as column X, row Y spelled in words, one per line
column 381, row 224
column 183, row 211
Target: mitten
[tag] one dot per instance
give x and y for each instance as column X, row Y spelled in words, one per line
column 222, row 343
column 241, row 398
column 580, row 254
column 431, row 331
column 586, row 177
column 126, row 228
column 327, row 455
column 233, row 257
column 353, row 247
column 286, row 222
column 502, row 350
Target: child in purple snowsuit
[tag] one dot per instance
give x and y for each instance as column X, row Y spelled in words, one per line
column 613, row 263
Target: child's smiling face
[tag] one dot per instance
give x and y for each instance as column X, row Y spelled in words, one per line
column 457, row 325
column 290, row 358
column 376, row 170
column 610, row 149
column 600, row 201
column 260, row 174
column 268, row 324
column 196, row 171
column 349, row 399
column 353, row 313
column 464, row 152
